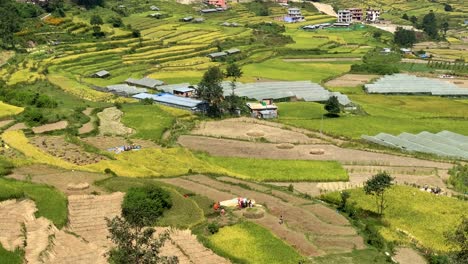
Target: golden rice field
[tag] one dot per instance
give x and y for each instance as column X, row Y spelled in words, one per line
column 9, row 110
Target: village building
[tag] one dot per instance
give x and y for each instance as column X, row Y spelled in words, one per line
column 144, row 82
column 220, row 54
column 265, row 109
column 294, row 15
column 101, row 74
column 372, row 15
column 184, row 91
column 344, row 16
column 175, row 101
column 186, row 19
column 154, row 8
column 356, row 14
column 216, row 3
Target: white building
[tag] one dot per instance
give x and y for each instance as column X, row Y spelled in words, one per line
column 344, row 16
column 372, row 15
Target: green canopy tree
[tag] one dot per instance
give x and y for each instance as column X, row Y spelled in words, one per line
column 233, row 101
column 376, row 186
column 10, row 23
column 404, row 37
column 96, row 20
column 210, row 90
column 333, row 106
column 429, row 25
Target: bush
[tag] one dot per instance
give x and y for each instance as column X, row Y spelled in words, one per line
column 381, row 69
column 33, row 116
column 213, row 227
column 439, row 259
column 144, row 205
column 115, row 21
column 5, row 166
column 459, row 178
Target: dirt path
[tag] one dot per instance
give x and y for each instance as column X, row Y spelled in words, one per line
column 88, row 127
column 110, row 123
column 408, row 256
column 299, row 220
column 233, row 148
column 50, row 127
column 239, row 129
column 325, row 8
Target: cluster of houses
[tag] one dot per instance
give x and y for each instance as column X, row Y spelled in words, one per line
column 356, row 15
column 294, row 15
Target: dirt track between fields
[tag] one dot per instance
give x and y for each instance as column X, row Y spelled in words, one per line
column 233, row 148
column 332, row 235
column 89, row 126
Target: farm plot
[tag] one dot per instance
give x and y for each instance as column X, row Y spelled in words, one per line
column 351, row 80
column 50, row 127
column 109, row 123
column 411, row 212
column 238, row 129
column 9, row 110
column 58, row 147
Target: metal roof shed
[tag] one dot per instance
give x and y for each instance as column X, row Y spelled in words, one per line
column 180, row 102
column 145, row 82
column 101, row 74
column 217, row 54
column 232, row 51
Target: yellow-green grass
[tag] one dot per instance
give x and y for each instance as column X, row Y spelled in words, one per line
column 149, row 121
column 388, row 114
column 15, row 257
column 178, row 76
column 50, row 203
column 363, row 256
column 423, row 215
column 280, row 170
column 185, row 212
column 9, row 110
column 250, row 243
column 277, row 69
column 74, row 87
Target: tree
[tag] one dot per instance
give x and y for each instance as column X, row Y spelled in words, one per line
column 233, row 101
column 234, row 71
column 377, row 34
column 89, row 3
column 10, row 23
column 135, row 244
column 405, row 16
column 333, row 106
column 429, row 25
column 414, row 20
column 404, row 37
column 136, row 33
column 445, row 27
column 210, row 90
column 133, row 235
column 96, row 20
column 143, row 206
column 458, row 239
column 448, row 8
column 377, row 185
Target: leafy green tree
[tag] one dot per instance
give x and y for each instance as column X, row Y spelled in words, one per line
column 459, row 178
column 414, row 20
column 404, row 37
column 136, row 33
column 116, row 21
column 211, row 91
column 132, row 234
column 234, row 71
column 459, row 242
column 405, row 16
column 333, row 106
column 429, row 25
column 143, row 206
column 90, row 3
column 377, row 185
column 344, row 200
column 448, row 8
column 233, row 101
column 444, row 28
column 135, row 244
column 96, row 20
column 377, row 34
column 10, row 23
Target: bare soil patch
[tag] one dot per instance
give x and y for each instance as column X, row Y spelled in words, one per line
column 233, row 148
column 110, row 123
column 13, row 214
column 351, row 80
column 50, row 127
column 325, row 8
column 408, row 256
column 106, row 142
column 18, row 126
column 59, row 147
column 59, row 178
column 237, row 128
column 88, row 127
column 4, row 123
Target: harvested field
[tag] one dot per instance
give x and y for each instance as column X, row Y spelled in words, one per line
column 233, row 148
column 299, row 221
column 408, row 256
column 87, row 216
column 188, row 249
column 237, row 129
column 110, row 123
column 13, row 214
column 57, row 146
column 59, row 178
column 325, row 8
column 88, row 127
column 50, row 127
column 105, row 142
column 17, row 126
column 351, row 80
column 4, row 123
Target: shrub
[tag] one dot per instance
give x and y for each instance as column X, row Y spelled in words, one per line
column 5, row 166
column 213, row 227
column 459, row 178
column 144, row 205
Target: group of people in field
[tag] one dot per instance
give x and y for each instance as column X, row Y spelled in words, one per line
column 434, row 190
column 244, row 203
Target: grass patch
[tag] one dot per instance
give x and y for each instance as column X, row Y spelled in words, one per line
column 9, row 110
column 185, row 212
column 149, row 121
column 249, row 243
column 9, row 257
column 424, row 216
column 365, row 256
column 50, row 203
column 389, row 114
column 280, row 170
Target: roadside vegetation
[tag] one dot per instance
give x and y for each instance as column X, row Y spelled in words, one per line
column 459, row 178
